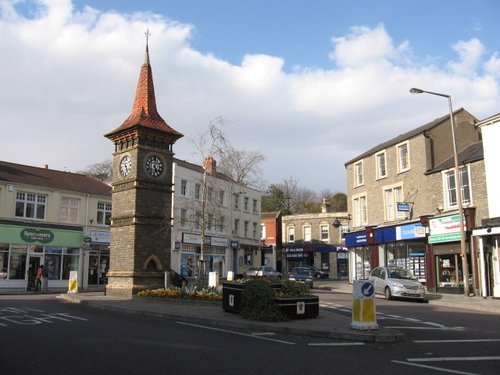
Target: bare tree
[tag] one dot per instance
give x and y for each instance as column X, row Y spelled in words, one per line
column 101, row 171
column 234, row 167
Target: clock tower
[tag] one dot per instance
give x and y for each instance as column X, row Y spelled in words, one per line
column 142, row 194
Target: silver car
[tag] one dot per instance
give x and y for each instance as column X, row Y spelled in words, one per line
column 263, row 271
column 395, row 282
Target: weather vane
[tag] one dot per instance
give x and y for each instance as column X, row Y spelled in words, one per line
column 148, row 34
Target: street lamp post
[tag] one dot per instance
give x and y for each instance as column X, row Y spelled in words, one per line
column 458, row 183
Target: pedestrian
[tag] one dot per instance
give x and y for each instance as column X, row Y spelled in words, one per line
column 45, row 280
column 38, row 278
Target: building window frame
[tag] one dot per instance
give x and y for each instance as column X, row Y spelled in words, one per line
column 358, row 174
column 104, row 213
column 69, row 210
column 307, row 232
column 183, row 190
column 360, row 210
column 324, row 232
column 290, row 233
column 403, row 154
column 31, row 205
column 381, row 164
column 392, row 196
column 450, row 187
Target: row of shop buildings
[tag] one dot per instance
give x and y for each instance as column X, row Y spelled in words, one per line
column 403, row 198
column 62, row 220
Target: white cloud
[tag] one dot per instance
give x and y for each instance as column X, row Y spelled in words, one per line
column 68, row 77
column 470, row 54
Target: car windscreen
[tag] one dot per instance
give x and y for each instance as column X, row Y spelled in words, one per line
column 401, row 274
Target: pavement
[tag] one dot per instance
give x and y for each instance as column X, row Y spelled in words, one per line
column 328, row 324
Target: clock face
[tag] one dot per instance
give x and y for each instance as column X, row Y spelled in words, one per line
column 125, row 165
column 154, row 166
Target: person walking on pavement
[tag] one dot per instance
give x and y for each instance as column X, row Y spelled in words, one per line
column 38, row 278
column 45, row 280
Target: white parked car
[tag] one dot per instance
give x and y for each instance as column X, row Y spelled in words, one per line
column 395, row 282
column 263, row 271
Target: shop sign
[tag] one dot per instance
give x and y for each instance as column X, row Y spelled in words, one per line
column 410, row 231
column 235, row 245
column 403, row 207
column 355, row 239
column 444, row 229
column 98, row 236
column 194, row 239
column 37, row 235
column 218, row 241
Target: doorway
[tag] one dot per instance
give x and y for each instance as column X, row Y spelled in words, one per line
column 33, row 264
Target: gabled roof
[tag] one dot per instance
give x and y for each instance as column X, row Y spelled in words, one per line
column 53, row 179
column 403, row 137
column 470, row 154
column 144, row 113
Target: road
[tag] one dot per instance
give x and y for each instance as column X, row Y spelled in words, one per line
column 44, row 335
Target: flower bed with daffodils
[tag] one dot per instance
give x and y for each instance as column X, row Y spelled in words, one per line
column 184, row 294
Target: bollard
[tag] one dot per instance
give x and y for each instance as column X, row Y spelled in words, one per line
column 363, row 308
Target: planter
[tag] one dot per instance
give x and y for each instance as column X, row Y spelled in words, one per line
column 292, row 307
column 299, row 307
column 232, row 296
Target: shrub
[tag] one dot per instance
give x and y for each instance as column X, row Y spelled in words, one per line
column 291, row 288
column 258, row 302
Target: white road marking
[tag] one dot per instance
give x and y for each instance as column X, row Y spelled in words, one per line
column 435, row 368
column 454, row 341
column 443, row 328
column 336, row 344
column 236, row 333
column 454, row 359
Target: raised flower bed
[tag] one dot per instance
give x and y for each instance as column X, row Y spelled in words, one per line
column 269, row 300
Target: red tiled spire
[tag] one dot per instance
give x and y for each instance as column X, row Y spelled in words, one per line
column 144, row 113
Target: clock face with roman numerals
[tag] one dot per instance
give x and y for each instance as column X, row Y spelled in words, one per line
column 125, row 166
column 154, row 166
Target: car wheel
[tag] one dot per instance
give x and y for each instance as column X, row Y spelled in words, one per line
column 388, row 294
column 318, row 276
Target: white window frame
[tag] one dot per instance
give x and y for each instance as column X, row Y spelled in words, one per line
column 38, row 202
column 358, row 174
column 246, row 226
column 290, row 234
column 466, row 187
column 360, row 210
column 254, row 206
column 307, row 233
column 183, row 215
column 392, row 196
column 245, row 203
column 254, row 229
column 183, row 189
column 222, row 195
column 403, row 160
column 103, row 213
column 324, row 232
column 263, row 231
column 197, row 190
column 381, row 164
column 70, row 210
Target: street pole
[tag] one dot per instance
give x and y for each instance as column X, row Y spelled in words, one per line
column 458, row 185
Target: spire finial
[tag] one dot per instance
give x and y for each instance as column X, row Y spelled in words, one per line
column 146, row 57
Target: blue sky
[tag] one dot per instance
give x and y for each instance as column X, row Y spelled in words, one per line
column 310, row 84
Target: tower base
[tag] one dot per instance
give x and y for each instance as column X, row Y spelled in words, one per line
column 129, row 283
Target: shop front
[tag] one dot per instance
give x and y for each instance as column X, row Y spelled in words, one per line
column 97, row 250
column 488, row 240
column 24, row 247
column 401, row 246
column 444, row 236
column 214, row 254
